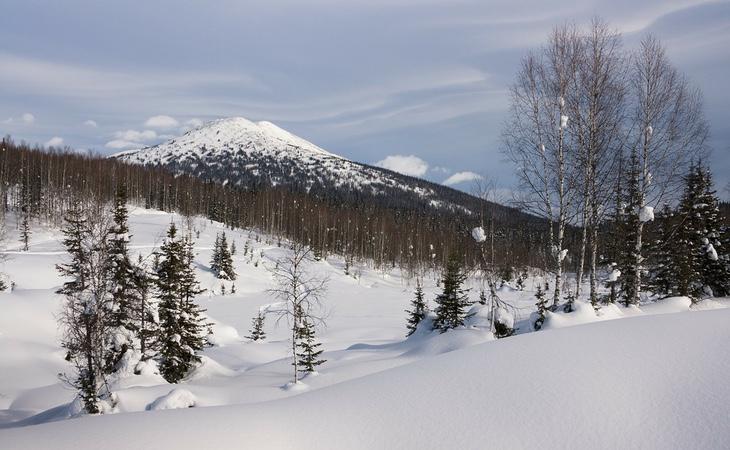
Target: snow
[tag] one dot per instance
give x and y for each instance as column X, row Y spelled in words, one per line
column 646, row 214
column 176, row 398
column 563, row 122
column 478, row 234
column 613, row 276
column 486, row 398
column 377, row 389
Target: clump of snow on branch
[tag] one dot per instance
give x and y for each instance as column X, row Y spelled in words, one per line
column 646, row 214
column 711, row 252
column 478, row 234
column 649, row 130
column 613, row 276
column 563, row 122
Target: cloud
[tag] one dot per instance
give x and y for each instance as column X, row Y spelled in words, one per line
column 127, row 139
column 407, row 165
column 28, row 118
column 136, row 136
column 162, row 122
column 121, row 144
column 54, row 142
column 91, row 123
column 461, row 177
column 8, row 120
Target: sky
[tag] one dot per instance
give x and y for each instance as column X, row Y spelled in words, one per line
column 418, row 86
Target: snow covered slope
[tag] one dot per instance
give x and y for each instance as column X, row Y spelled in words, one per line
column 239, row 152
column 647, row 382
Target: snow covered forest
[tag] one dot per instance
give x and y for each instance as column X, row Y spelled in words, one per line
column 178, row 297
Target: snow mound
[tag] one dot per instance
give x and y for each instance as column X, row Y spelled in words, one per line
column 537, row 390
column 175, row 399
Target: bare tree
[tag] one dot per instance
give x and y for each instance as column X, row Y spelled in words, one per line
column 537, row 140
column 300, row 293
column 597, row 108
column 667, row 130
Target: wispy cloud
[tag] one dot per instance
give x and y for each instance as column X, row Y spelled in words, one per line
column 462, row 177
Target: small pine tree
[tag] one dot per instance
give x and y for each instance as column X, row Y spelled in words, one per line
column 215, row 262
column 25, row 231
column 542, row 307
column 308, row 348
column 233, row 247
column 453, row 300
column 418, row 310
column 257, row 327
column 226, row 261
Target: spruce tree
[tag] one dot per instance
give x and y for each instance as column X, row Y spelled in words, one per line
column 257, row 332
column 215, row 262
column 631, row 260
column 662, row 272
column 688, row 244
column 226, row 271
column 453, row 300
column 715, row 260
column 123, row 286
column 182, row 329
column 542, row 306
column 84, row 317
column 308, row 348
column 418, row 310
column 25, row 231
column 222, row 262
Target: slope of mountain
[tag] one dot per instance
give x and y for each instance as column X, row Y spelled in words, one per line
column 236, row 151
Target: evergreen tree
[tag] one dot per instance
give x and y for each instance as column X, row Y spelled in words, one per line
column 630, row 259
column 308, row 348
column 662, row 272
column 542, row 306
column 688, row 244
column 715, row 259
column 181, row 325
column 123, row 287
column 257, row 332
column 453, row 300
column 222, row 262
column 233, row 247
column 418, row 310
column 25, row 231
column 146, row 311
column 84, row 317
column 215, row 262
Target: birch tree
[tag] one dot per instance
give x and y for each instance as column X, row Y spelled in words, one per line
column 300, row 292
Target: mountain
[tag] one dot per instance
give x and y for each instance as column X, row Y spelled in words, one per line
column 257, row 155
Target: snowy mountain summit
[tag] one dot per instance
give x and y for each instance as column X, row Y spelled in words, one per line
column 238, row 152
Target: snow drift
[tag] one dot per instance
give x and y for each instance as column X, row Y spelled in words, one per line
column 646, row 382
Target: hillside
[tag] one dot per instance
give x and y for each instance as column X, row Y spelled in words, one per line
column 238, row 152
